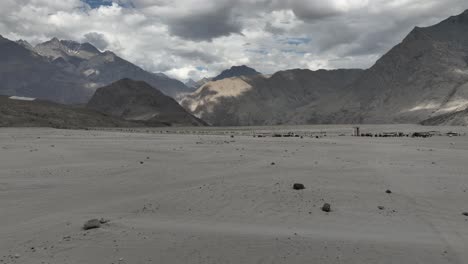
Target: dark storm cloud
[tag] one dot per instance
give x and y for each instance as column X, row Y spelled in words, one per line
column 205, row 26
column 195, row 55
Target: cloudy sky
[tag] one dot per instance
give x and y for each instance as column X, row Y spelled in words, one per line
column 197, row 38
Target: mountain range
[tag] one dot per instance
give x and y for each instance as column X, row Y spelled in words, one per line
column 69, row 72
column 423, row 77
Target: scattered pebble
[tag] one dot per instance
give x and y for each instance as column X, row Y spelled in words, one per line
column 465, row 213
column 272, row 164
column 388, row 191
column 381, row 208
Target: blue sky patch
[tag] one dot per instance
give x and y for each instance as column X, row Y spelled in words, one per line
column 99, row 3
column 297, row 41
column 293, row 51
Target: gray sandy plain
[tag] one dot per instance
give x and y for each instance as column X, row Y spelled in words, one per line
column 184, row 195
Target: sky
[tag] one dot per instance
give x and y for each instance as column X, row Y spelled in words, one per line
column 200, row 38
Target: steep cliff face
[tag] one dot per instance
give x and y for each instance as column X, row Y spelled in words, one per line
column 425, row 75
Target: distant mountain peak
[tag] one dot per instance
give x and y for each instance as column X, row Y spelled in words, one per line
column 55, row 48
column 25, row 44
column 236, row 71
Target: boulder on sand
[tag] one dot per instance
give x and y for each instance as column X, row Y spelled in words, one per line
column 298, row 186
column 326, row 207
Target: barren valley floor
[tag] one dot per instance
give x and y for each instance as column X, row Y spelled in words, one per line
column 183, row 196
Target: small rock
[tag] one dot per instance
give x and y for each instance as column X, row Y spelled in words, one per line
column 141, row 162
column 465, row 213
column 381, row 208
column 326, row 207
column 92, row 224
column 104, row 221
column 298, row 186
column 272, row 164
column 388, row 191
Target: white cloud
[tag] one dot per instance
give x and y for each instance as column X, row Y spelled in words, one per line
column 196, row 38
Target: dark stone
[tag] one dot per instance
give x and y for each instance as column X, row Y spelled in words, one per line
column 388, row 191
column 465, row 213
column 298, row 186
column 326, row 207
column 104, row 221
column 381, row 208
column 92, row 224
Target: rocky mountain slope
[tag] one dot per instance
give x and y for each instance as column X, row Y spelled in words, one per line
column 263, row 100
column 138, row 101
column 20, row 113
column 424, row 76
column 459, row 118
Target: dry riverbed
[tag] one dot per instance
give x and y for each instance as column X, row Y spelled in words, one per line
column 209, row 197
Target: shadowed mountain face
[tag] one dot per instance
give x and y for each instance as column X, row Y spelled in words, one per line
column 138, row 101
column 236, row 71
column 23, row 72
column 19, row 113
column 424, row 76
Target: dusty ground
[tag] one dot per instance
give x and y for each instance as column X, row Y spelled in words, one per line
column 181, row 198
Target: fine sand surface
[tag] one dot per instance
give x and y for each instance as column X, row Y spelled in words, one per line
column 187, row 198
